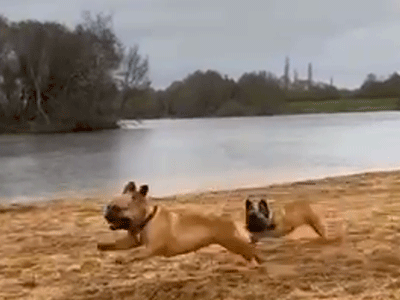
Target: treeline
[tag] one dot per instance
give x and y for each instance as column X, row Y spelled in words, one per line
column 314, row 93
column 55, row 77
column 208, row 93
column 60, row 79
column 82, row 79
column 374, row 88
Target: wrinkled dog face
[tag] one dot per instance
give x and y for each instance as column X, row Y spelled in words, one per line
column 258, row 219
column 114, row 214
column 128, row 210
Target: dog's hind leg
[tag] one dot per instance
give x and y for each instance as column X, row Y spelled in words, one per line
column 315, row 222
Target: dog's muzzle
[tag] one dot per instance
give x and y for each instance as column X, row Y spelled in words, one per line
column 116, row 222
column 259, row 223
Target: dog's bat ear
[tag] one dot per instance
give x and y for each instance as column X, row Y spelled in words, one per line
column 144, row 189
column 263, row 203
column 129, row 188
column 263, row 207
column 249, row 205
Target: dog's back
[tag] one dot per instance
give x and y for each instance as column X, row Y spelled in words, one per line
column 176, row 233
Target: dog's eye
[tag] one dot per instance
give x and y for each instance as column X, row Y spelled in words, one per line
column 116, row 208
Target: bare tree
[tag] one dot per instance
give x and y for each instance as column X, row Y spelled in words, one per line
column 33, row 47
column 64, row 74
column 41, row 74
column 134, row 73
column 100, row 34
column 26, row 56
column 9, row 72
column 3, row 31
column 98, row 64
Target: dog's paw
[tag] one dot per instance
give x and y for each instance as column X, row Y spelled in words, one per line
column 104, row 246
column 261, row 269
column 100, row 246
column 253, row 240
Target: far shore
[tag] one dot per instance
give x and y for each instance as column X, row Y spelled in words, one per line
column 292, row 108
column 33, row 128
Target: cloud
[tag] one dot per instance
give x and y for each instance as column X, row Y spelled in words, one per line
column 238, row 29
column 340, row 37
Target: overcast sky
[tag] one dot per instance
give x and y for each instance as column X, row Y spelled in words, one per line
column 345, row 39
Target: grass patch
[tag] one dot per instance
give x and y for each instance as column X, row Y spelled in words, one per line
column 342, row 105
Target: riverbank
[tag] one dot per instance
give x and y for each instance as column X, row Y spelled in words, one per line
column 300, row 107
column 33, row 128
column 291, row 108
column 49, row 250
column 343, row 105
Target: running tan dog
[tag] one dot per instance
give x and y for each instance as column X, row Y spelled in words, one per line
column 262, row 223
column 166, row 233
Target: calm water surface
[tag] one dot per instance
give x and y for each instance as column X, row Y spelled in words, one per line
column 175, row 156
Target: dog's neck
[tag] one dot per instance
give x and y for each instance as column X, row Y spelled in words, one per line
column 142, row 225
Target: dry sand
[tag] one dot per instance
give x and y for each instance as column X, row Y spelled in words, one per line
column 48, row 251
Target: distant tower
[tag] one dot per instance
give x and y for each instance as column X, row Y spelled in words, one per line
column 331, row 81
column 309, row 75
column 286, row 73
column 296, row 76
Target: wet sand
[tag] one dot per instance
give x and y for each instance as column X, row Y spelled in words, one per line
column 48, row 250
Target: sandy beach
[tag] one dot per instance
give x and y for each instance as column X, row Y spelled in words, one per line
column 48, row 250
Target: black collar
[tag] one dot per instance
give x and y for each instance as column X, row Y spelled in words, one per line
column 141, row 226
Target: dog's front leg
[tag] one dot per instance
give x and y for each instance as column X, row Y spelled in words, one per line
column 142, row 255
column 125, row 243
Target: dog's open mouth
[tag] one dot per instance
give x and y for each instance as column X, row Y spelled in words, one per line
column 258, row 223
column 119, row 223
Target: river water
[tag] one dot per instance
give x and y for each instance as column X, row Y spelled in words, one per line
column 175, row 156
